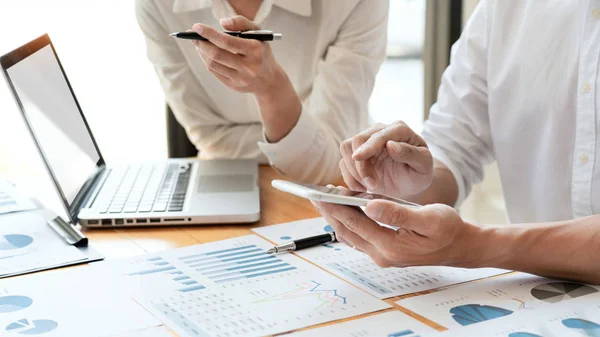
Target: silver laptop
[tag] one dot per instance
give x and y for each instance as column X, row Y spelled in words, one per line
column 176, row 191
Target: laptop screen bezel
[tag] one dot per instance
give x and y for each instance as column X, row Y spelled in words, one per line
column 13, row 58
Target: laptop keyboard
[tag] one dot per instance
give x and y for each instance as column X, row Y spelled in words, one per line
column 145, row 189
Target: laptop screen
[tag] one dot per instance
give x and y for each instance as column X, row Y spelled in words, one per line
column 55, row 119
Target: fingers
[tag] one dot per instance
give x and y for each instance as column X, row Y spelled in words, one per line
column 238, row 23
column 351, row 239
column 356, row 222
column 225, row 41
column 365, row 167
column 349, row 179
column 398, row 132
column 419, row 158
column 346, row 152
column 213, row 54
column 390, row 213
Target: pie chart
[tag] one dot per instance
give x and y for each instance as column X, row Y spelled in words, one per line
column 474, row 313
column 589, row 328
column 15, row 241
column 14, row 303
column 35, row 327
column 560, row 291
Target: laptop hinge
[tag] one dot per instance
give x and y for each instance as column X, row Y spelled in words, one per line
column 86, row 191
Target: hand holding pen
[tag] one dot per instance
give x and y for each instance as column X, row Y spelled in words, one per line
column 238, row 58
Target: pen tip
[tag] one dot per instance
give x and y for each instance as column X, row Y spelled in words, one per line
column 173, row 34
column 272, row 251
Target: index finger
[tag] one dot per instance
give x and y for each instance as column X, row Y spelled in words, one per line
column 224, row 41
column 398, row 132
column 357, row 222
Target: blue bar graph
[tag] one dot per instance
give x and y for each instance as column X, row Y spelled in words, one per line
column 226, row 260
column 153, row 271
column 189, row 283
column 190, row 289
column 257, row 275
column 218, row 257
column 217, row 252
column 237, row 263
column 247, row 271
column 181, row 278
column 241, row 267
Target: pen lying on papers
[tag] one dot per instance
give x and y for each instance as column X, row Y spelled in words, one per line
column 304, row 243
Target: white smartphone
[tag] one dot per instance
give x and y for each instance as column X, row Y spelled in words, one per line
column 334, row 195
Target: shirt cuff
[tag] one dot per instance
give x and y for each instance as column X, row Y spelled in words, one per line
column 286, row 151
column 440, row 155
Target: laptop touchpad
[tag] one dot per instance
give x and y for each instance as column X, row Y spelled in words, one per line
column 225, row 183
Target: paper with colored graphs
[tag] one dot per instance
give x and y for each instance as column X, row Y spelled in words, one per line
column 490, row 299
column 233, row 288
column 390, row 324
column 73, row 302
column 579, row 317
column 358, row 269
column 27, row 243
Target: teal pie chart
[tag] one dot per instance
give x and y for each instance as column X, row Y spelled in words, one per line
column 14, row 303
column 33, row 327
column 588, row 327
column 15, row 241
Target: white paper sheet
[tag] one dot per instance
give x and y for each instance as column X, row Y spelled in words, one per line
column 69, row 303
column 11, row 200
column 160, row 331
column 233, row 288
column 28, row 243
column 579, row 317
column 390, row 324
column 490, row 299
column 358, row 269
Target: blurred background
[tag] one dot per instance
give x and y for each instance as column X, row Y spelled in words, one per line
column 103, row 53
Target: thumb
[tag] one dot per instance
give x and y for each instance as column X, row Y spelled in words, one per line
column 238, row 24
column 393, row 214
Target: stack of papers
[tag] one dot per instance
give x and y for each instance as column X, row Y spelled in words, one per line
column 27, row 243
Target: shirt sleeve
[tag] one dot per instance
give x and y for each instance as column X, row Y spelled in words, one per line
column 337, row 108
column 207, row 130
column 457, row 131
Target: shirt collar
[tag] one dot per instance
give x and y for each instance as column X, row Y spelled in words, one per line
column 300, row 7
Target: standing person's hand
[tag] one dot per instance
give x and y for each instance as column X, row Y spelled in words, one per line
column 387, row 159
column 243, row 65
column 249, row 66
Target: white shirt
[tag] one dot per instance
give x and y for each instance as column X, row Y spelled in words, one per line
column 523, row 89
column 331, row 51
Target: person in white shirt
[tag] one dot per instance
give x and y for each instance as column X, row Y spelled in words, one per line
column 522, row 88
column 289, row 102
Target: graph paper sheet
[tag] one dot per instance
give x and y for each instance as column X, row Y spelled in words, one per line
column 233, row 288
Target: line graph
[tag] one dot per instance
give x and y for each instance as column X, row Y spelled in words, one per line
column 325, row 297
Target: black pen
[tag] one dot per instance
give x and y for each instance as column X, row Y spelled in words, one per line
column 260, row 35
column 304, row 243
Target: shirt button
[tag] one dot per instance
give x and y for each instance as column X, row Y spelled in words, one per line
column 587, row 88
column 596, row 13
column 584, row 158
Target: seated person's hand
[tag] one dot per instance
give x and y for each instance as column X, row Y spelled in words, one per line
column 387, row 159
column 243, row 65
column 430, row 235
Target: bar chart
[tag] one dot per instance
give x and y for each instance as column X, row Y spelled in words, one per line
column 234, row 264
column 159, row 267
